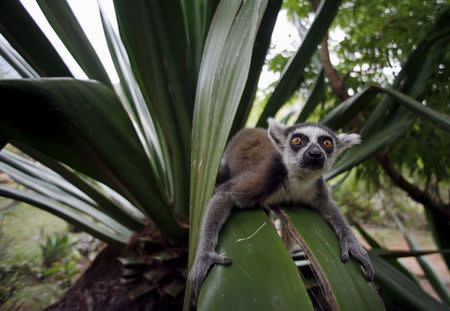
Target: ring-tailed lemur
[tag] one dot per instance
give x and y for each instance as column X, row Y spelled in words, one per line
column 283, row 165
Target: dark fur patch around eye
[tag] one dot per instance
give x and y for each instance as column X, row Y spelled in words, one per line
column 321, row 139
column 305, row 141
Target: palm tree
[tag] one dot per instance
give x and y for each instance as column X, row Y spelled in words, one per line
column 135, row 165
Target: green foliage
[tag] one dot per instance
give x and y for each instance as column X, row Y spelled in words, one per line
column 186, row 69
column 59, row 256
column 13, row 277
column 4, row 241
column 20, row 287
column 369, row 204
column 379, row 37
column 245, row 238
column 321, row 241
column 25, row 228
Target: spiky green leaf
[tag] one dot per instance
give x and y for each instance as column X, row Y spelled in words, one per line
column 245, row 239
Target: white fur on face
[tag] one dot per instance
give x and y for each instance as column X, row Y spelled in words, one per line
column 279, row 137
column 292, row 159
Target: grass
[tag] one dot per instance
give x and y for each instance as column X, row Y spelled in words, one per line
column 34, row 297
column 24, row 228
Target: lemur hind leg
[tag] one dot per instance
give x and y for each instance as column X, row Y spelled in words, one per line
column 218, row 210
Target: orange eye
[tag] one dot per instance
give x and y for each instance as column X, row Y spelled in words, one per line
column 327, row 144
column 296, row 141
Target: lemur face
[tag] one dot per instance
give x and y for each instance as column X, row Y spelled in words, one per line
column 309, row 146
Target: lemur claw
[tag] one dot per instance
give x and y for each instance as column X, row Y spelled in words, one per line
column 345, row 247
column 360, row 254
column 201, row 267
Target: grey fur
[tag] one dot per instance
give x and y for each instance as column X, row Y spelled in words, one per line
column 264, row 168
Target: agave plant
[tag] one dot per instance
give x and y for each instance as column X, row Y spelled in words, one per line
column 136, row 164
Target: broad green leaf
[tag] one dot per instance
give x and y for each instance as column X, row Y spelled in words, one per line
column 107, row 199
column 52, row 180
column 348, row 109
column 82, row 124
column 261, row 47
column 197, row 18
column 152, row 139
column 219, row 90
column 292, row 75
column 63, row 21
column 56, row 194
column 67, row 214
column 436, row 118
column 155, row 59
column 16, row 61
column 348, row 285
column 399, row 290
column 262, row 275
column 429, row 271
column 44, row 187
column 17, row 26
column 401, row 253
column 314, row 98
column 43, row 173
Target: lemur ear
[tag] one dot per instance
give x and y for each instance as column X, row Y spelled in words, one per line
column 276, row 132
column 345, row 140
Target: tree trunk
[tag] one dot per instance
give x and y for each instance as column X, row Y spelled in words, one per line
column 159, row 285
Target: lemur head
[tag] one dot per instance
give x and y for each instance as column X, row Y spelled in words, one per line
column 308, row 146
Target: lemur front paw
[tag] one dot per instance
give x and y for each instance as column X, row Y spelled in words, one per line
column 201, row 266
column 352, row 246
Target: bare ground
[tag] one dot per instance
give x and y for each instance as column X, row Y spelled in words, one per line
column 393, row 239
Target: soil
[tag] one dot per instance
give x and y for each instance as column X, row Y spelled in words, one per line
column 392, row 239
column 99, row 288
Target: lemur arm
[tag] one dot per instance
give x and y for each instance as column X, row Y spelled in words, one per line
column 219, row 208
column 349, row 243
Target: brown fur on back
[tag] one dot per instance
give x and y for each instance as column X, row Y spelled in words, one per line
column 248, row 149
column 252, row 164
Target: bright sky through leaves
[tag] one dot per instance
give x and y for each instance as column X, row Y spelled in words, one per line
column 285, row 36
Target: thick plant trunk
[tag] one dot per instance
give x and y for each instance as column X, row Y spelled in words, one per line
column 157, row 283
column 99, row 288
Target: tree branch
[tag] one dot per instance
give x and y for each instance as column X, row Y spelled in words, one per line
column 336, row 82
column 413, row 191
column 338, row 87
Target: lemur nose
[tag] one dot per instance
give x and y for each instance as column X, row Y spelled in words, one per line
column 314, row 154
